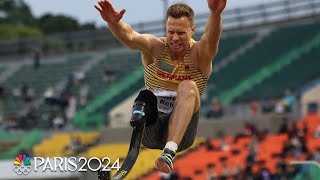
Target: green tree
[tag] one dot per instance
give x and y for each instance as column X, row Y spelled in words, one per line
column 57, row 23
column 16, row 12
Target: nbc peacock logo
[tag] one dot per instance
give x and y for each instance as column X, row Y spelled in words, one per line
column 22, row 164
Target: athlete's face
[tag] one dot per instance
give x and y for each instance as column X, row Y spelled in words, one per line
column 178, row 34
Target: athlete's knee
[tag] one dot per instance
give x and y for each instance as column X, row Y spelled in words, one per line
column 144, row 109
column 187, row 88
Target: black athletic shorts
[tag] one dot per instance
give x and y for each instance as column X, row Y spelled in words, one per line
column 155, row 135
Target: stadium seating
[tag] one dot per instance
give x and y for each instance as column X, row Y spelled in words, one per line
column 128, row 76
column 39, row 79
column 194, row 164
column 264, row 53
column 57, row 144
column 121, row 63
column 2, row 69
column 23, row 141
column 9, row 140
column 293, row 76
column 229, row 44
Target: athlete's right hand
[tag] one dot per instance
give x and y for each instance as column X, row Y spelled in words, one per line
column 108, row 13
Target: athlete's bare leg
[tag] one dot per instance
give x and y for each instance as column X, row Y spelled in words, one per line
column 186, row 104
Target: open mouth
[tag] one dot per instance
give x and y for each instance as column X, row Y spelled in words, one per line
column 176, row 45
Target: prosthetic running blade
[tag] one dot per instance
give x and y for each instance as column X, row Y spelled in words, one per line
column 130, row 159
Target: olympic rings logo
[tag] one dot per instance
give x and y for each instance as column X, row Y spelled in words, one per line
column 22, row 169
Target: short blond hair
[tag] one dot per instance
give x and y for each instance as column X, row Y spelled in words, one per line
column 179, row 10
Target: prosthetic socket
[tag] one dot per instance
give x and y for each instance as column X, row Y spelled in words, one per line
column 144, row 109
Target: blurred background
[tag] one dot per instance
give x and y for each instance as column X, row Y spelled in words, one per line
column 67, row 88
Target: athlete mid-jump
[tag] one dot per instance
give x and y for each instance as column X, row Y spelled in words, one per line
column 176, row 71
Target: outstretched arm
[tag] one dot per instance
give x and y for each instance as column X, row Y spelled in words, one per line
column 209, row 41
column 123, row 31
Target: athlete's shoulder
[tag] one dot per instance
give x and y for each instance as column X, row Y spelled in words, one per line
column 158, row 47
column 158, row 41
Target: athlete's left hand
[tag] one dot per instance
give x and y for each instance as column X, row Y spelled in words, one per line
column 217, row 6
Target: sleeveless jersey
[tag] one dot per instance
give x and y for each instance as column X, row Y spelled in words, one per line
column 163, row 76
